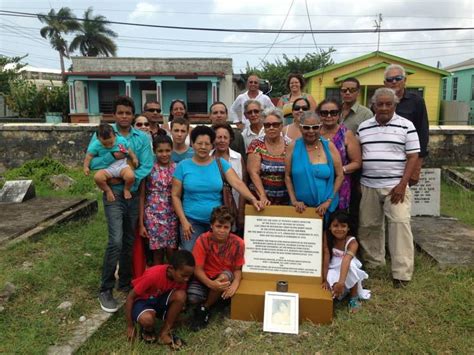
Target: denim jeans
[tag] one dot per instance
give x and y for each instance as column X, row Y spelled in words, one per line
column 199, row 228
column 122, row 218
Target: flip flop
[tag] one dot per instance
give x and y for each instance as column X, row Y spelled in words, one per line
column 148, row 337
column 175, row 344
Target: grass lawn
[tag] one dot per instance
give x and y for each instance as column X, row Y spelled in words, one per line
column 434, row 314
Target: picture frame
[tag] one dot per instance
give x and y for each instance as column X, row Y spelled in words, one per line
column 281, row 312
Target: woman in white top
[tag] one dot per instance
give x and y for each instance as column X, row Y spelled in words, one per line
column 224, row 136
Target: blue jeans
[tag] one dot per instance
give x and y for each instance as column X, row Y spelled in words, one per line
column 199, row 228
column 122, row 218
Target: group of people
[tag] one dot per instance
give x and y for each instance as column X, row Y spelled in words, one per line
column 165, row 184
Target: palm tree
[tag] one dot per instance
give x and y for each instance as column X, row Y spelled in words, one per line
column 94, row 38
column 57, row 24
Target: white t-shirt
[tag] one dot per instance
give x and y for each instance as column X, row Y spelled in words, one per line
column 237, row 108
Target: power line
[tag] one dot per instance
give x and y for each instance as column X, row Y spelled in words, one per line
column 310, row 25
column 250, row 30
column 246, row 44
column 278, row 35
column 249, row 14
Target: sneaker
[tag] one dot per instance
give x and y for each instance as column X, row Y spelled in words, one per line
column 125, row 289
column 354, row 305
column 108, row 302
column 201, row 318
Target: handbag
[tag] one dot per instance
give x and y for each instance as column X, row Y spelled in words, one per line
column 227, row 197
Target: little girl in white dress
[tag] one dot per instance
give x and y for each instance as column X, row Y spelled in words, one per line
column 342, row 271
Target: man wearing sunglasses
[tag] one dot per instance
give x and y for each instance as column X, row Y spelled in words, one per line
column 152, row 111
column 253, row 93
column 411, row 107
column 353, row 114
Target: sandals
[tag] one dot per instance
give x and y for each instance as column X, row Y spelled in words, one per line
column 148, row 336
column 175, row 344
column 354, row 305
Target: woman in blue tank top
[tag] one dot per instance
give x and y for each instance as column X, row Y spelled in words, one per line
column 313, row 173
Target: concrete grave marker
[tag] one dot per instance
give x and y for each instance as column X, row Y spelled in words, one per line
column 17, row 191
column 426, row 194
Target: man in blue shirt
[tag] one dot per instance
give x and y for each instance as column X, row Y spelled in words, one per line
column 122, row 214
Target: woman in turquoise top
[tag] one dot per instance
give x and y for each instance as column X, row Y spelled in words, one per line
column 197, row 187
column 295, row 84
column 313, row 173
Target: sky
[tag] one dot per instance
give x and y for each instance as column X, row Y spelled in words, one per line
column 20, row 36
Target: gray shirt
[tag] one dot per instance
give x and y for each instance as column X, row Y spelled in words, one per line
column 356, row 116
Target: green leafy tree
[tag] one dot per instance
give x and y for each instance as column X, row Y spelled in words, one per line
column 278, row 71
column 57, row 25
column 94, row 38
column 9, row 70
column 25, row 99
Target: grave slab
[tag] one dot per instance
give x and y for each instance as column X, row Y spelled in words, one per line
column 19, row 221
column 17, row 191
column 448, row 241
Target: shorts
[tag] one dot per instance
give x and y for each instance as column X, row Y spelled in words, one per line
column 116, row 168
column 159, row 305
column 197, row 291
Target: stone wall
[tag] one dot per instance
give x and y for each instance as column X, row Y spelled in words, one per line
column 449, row 145
column 64, row 142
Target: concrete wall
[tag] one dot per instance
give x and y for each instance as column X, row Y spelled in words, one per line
column 449, row 145
column 116, row 64
column 22, row 142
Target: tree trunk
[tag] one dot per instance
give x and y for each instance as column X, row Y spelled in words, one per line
column 61, row 59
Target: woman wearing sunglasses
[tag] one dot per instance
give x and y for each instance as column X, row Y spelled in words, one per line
column 299, row 107
column 266, row 161
column 346, row 143
column 313, row 169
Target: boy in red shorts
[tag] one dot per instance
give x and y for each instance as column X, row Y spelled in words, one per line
column 160, row 292
column 219, row 256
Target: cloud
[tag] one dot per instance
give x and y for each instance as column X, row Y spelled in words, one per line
column 144, row 11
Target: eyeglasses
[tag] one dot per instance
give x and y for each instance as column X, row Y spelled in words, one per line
column 298, row 107
column 141, row 124
column 253, row 82
column 392, row 79
column 252, row 112
column 327, row 113
column 315, row 127
column 156, row 110
column 272, row 124
column 349, row 90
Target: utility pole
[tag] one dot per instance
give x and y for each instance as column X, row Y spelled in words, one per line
column 378, row 26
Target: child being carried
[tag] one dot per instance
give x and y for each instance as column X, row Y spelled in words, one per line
column 109, row 143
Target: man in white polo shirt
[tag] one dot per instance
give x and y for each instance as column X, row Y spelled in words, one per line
column 390, row 148
column 253, row 93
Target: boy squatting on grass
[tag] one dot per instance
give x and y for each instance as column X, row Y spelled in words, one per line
column 107, row 142
column 160, row 292
column 219, row 256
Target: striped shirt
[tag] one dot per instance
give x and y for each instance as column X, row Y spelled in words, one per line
column 384, row 150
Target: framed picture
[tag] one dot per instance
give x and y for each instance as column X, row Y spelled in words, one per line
column 281, row 312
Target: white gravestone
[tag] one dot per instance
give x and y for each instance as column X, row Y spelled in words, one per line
column 426, row 194
column 17, row 191
column 283, row 245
